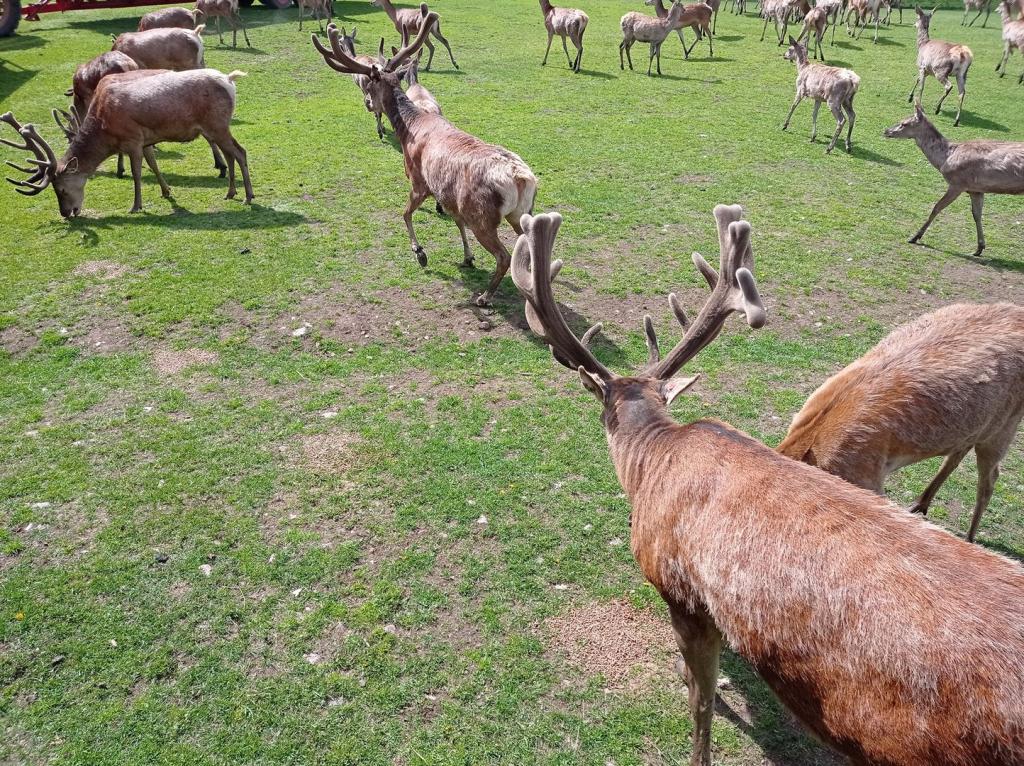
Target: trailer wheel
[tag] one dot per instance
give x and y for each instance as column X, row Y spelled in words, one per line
column 10, row 15
column 245, row 3
column 279, row 5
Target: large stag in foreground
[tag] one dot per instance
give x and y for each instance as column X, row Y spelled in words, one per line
column 834, row 86
column 942, row 385
column 476, row 183
column 892, row 640
column 227, row 10
column 130, row 113
column 976, row 167
column 407, row 23
column 565, row 22
column 941, row 59
column 1013, row 37
column 636, row 27
column 696, row 16
column 180, row 18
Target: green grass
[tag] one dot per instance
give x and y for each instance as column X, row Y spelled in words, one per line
column 331, row 484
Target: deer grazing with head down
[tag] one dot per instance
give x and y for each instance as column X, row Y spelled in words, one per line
column 565, row 22
column 476, row 183
column 976, row 167
column 636, row 27
column 318, row 9
column 407, row 23
column 696, row 16
column 1013, row 37
column 832, row 85
column 942, row 60
column 942, row 385
column 181, row 18
column 163, row 48
column 893, row 641
column 130, row 113
column 230, row 12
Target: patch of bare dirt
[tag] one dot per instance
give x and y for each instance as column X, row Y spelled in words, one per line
column 106, row 336
column 168, row 362
column 14, row 340
column 102, row 270
column 57, row 534
column 332, row 452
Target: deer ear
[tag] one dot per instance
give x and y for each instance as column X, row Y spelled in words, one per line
column 71, row 166
column 918, row 112
column 593, row 384
column 791, row 40
column 374, row 72
column 671, row 388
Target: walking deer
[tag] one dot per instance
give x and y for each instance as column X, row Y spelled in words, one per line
column 942, row 385
column 779, row 13
column 833, row 85
column 815, row 22
column 565, row 22
column 1013, row 37
column 942, row 60
column 348, row 44
column 317, row 9
column 420, row 96
column 407, row 24
column 696, row 16
column 229, row 11
column 636, row 27
column 181, row 18
column 130, row 113
column 892, row 640
column 981, row 6
column 476, row 183
column 976, row 167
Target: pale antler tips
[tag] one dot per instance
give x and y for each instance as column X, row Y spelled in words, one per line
column 589, row 334
column 706, row 270
column 677, row 309
column 556, row 267
column 653, row 352
column 753, row 307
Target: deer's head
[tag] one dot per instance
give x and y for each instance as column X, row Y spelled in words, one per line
column 67, row 179
column 912, row 127
column 924, row 18
column 796, row 52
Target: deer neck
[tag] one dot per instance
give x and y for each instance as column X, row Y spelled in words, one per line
column 389, row 9
column 660, row 10
column 546, row 7
column 933, row 145
column 401, row 112
column 922, row 37
column 90, row 146
column 633, row 444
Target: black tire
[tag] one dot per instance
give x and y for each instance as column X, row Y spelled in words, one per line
column 279, row 5
column 245, row 3
column 10, row 15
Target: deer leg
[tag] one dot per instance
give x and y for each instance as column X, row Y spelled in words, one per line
column 1001, row 66
column 947, row 87
column 659, row 59
column 686, row 51
column 245, row 33
column 320, row 19
column 976, row 17
column 235, row 151
column 579, row 53
column 700, row 643
column 711, row 44
column 989, row 456
column 488, row 237
column 220, row 34
column 961, row 86
column 877, row 15
column 135, row 159
column 950, row 195
column 416, row 197
column 380, row 126
column 963, row 20
column 919, row 84
column 565, row 48
column 949, row 464
column 764, row 29
column 551, row 36
column 150, row 157
column 682, row 40
column 300, row 16
column 436, row 32
column 852, row 118
column 796, row 103
column 467, row 254
column 650, row 61
column 629, row 56
column 218, row 160
column 120, row 165
column 430, row 51
column 977, row 201
column 814, row 121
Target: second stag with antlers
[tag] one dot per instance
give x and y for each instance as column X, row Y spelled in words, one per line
column 892, row 640
column 476, row 183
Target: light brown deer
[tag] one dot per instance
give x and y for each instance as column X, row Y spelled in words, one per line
column 779, row 12
column 163, row 48
column 476, row 183
column 317, row 9
column 181, row 18
column 407, row 23
column 942, row 385
column 348, row 43
column 696, row 16
column 981, row 6
column 942, row 60
column 229, row 11
column 816, row 23
column 420, row 96
column 1013, row 37
column 636, row 27
column 130, row 113
column 834, row 86
column 565, row 22
column 977, row 167
column 893, row 641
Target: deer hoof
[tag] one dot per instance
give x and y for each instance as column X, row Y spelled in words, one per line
column 977, row 253
column 918, row 508
column 421, row 255
column 914, row 239
column 483, row 300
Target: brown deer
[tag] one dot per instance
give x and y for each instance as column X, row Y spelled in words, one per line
column 318, row 9
column 181, row 18
column 941, row 59
column 834, row 86
column 895, row 642
column 1013, row 37
column 163, row 48
column 981, row 6
column 348, row 43
column 779, row 12
column 476, row 183
column 636, row 27
column 976, row 167
column 420, row 96
column 407, row 24
column 816, row 23
column 130, row 113
column 227, row 10
column 696, row 16
column 942, row 385
column 565, row 22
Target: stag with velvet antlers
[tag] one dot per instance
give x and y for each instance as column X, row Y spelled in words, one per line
column 476, row 183
column 892, row 640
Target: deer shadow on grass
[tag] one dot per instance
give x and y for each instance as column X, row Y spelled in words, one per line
column 20, row 42
column 886, row 41
column 860, row 153
column 972, row 120
column 1000, row 264
column 847, row 45
column 598, row 75
column 12, row 79
column 106, row 26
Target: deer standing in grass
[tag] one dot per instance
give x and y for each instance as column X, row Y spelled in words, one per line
column 942, row 60
column 636, row 27
column 893, row 641
column 407, row 23
column 1013, row 37
column 476, row 183
column 565, row 22
column 181, row 18
column 981, row 6
column 976, row 167
column 696, row 16
column 816, row 23
column 130, row 113
column 834, row 86
column 348, row 43
column 229, row 11
column 317, row 9
column 779, row 13
column 942, row 385
column 833, row 14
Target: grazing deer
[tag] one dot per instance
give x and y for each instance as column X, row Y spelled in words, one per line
column 1013, row 37
column 636, row 27
column 130, row 113
column 476, row 183
column 163, row 48
column 981, row 6
column 83, row 85
column 833, row 85
column 317, row 9
column 942, row 385
column 942, row 60
column 348, row 43
column 696, row 16
column 565, row 22
column 407, row 24
column 181, row 18
column 229, row 11
column 976, row 167
column 848, row 608
column 816, row 22
column 779, row 13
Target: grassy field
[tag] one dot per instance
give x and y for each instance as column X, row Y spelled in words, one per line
column 273, row 494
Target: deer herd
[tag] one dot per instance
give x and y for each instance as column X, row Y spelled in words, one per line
column 892, row 640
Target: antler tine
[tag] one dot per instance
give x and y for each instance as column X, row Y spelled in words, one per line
column 68, row 128
column 336, row 58
column 532, row 273
column 653, row 352
column 8, row 117
column 410, row 48
column 40, row 147
column 44, row 159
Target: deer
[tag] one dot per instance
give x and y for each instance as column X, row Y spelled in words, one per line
column 844, row 604
column 779, row 13
column 1013, row 37
column 862, row 12
column 476, row 183
column 636, row 27
column 317, row 9
column 833, row 14
column 180, row 18
column 941, row 385
column 816, row 22
column 407, row 23
column 942, row 60
column 422, row 98
column 833, row 85
column 981, row 6
column 348, row 43
column 565, row 22
column 229, row 11
column 696, row 16
column 130, row 113
column 976, row 167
